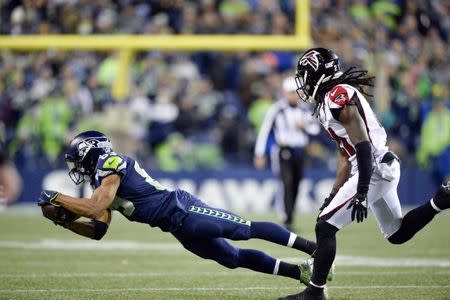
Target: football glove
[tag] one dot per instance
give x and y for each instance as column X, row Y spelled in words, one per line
column 327, row 201
column 359, row 207
column 48, row 197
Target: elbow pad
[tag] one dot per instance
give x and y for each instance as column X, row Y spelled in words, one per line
column 100, row 229
column 364, row 159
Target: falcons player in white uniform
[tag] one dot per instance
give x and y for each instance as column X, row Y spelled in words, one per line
column 367, row 173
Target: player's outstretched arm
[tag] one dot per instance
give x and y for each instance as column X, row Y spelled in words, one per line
column 95, row 229
column 356, row 130
column 95, row 206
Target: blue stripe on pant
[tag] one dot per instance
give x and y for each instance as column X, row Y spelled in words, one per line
column 203, row 221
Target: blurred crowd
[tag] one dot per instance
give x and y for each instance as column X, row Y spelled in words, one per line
column 147, row 17
column 203, row 110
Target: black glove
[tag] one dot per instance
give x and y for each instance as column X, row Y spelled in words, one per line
column 48, row 197
column 359, row 210
column 327, row 201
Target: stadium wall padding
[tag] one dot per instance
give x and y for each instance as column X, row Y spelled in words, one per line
column 245, row 190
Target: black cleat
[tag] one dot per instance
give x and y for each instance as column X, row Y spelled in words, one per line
column 442, row 197
column 305, row 295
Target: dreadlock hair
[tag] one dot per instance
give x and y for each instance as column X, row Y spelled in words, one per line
column 352, row 76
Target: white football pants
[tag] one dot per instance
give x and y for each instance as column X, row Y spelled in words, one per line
column 382, row 201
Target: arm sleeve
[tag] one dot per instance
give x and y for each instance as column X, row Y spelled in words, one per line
column 364, row 159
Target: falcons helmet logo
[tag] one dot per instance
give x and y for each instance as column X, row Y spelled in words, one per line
column 311, row 58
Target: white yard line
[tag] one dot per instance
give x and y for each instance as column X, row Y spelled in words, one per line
column 390, row 262
column 175, row 248
column 387, row 273
column 368, row 261
column 206, row 289
column 124, row 274
column 89, row 245
column 190, row 274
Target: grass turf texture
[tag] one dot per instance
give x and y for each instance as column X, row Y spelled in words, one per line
column 41, row 261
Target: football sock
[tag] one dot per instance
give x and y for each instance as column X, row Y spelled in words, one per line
column 287, row 270
column 325, row 253
column 441, row 200
column 314, row 289
column 278, row 234
column 303, row 244
column 412, row 222
column 256, row 260
column 259, row 261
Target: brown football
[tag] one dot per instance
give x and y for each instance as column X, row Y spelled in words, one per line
column 58, row 213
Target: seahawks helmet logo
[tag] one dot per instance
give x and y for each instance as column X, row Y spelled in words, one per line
column 311, row 58
column 87, row 144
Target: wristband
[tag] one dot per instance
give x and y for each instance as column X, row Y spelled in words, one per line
column 100, row 229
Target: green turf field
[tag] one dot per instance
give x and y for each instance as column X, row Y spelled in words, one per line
column 41, row 261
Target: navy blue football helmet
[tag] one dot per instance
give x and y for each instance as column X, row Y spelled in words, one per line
column 314, row 67
column 83, row 153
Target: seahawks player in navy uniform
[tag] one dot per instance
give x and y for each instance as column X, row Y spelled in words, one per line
column 121, row 184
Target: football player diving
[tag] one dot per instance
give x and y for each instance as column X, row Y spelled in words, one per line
column 121, row 184
column 367, row 172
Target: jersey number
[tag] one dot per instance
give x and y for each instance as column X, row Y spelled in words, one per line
column 123, row 206
column 147, row 177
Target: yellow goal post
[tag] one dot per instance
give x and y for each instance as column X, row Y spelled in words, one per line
column 127, row 45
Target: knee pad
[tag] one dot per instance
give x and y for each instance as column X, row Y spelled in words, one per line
column 325, row 229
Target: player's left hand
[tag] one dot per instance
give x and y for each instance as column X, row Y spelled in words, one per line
column 48, row 197
column 359, row 207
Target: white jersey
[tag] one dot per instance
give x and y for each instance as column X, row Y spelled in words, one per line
column 337, row 98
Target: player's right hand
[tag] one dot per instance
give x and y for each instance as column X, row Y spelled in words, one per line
column 48, row 197
column 326, row 202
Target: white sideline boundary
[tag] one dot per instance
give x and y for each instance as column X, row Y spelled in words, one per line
column 213, row 289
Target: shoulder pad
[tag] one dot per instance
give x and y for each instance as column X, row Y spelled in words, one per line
column 340, row 96
column 112, row 162
column 108, row 164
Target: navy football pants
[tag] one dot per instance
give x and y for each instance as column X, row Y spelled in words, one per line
column 205, row 229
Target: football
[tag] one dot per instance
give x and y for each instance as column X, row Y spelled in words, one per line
column 58, row 213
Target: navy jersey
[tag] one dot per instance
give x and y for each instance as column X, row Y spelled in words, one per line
column 140, row 198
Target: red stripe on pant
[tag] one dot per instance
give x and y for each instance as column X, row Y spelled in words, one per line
column 332, row 212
